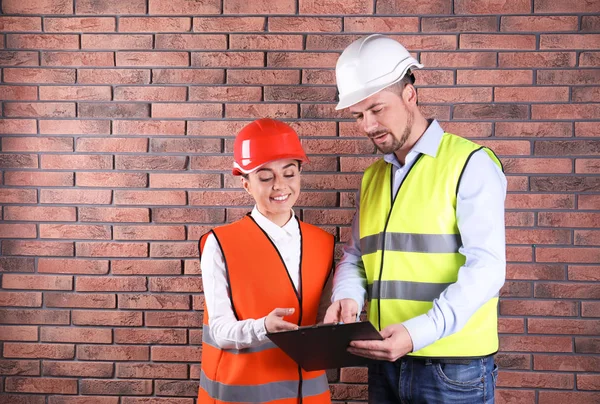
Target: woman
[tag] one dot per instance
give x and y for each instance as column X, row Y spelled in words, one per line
column 264, row 273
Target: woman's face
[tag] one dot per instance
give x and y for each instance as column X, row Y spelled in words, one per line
column 275, row 188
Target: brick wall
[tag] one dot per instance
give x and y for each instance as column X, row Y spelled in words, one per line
column 117, row 124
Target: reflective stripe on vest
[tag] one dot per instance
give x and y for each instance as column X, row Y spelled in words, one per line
column 264, row 392
column 410, row 246
column 208, row 339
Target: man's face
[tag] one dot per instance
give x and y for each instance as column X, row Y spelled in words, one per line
column 385, row 118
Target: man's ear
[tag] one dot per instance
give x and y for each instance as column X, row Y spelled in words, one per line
column 409, row 94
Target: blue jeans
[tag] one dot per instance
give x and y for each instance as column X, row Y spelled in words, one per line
column 425, row 381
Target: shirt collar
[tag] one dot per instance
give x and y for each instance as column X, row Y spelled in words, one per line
column 290, row 229
column 428, row 144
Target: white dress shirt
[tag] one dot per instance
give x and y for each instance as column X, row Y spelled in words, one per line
column 225, row 329
column 480, row 216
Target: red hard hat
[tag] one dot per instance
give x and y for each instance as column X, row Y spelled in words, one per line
column 263, row 141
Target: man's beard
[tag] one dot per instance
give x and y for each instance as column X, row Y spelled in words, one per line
column 396, row 143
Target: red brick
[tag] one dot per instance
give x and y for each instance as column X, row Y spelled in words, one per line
column 497, row 42
column 570, row 77
column 413, row 7
column 150, row 162
column 17, row 231
column 112, row 145
column 125, row 197
column 154, row 93
column 507, row 147
column 41, row 6
column 18, row 196
column 455, row 95
column 39, row 213
column 539, row 201
column 146, row 267
column 263, row 77
column 304, row 24
column 548, row 397
column 265, row 42
column 152, row 59
column 588, row 382
column 301, row 59
column 62, row 93
column 80, row 24
column 477, row 7
column 373, row 24
column 74, row 127
column 47, row 282
column 494, row 77
column 39, row 109
column 590, row 23
column 184, row 7
column 113, row 110
column 116, row 387
column 576, row 255
column 563, row 326
column 178, row 387
column 586, row 129
column 80, row 300
column 188, row 215
column 110, row 7
column 151, row 371
column 19, row 333
column 116, row 41
column 167, row 336
column 68, row 231
column 38, row 351
column 192, row 267
column 300, row 93
column 72, row 266
column 113, row 76
column 130, row 180
column 411, row 42
column 175, row 354
column 98, row 317
column 120, row 353
column 259, row 7
column 185, row 180
column 75, row 196
column 20, row 299
column 531, row 94
column 42, row 41
column 77, row 334
column 335, row 7
column 576, row 6
column 131, row 127
column 174, row 250
column 533, row 129
column 22, row 368
column 490, row 111
column 535, row 380
column 513, row 361
column 191, row 284
column 573, row 183
column 187, row 76
column 78, row 369
column 41, row 385
column 589, row 59
column 537, row 165
column 569, row 41
column 567, row 290
column 78, row 59
column 85, row 249
column 536, row 59
column 154, row 302
column 16, row 58
column 16, row 24
column 211, row 163
column 586, row 94
column 187, row 145
column 537, row 308
column 323, row 111
column 186, row 110
column 462, row 59
column 458, row 24
column 110, row 284
column 190, row 42
column 36, row 144
column 155, row 24
column 17, row 126
column 277, row 111
column 149, row 233
column 519, row 254
column 511, row 325
column 348, row 391
column 562, row 111
column 89, row 214
column 18, row 93
column 225, row 59
column 584, row 273
column 37, row 248
column 36, row 75
column 229, row 24
column 530, row 343
column 538, row 23
column 587, row 345
column 225, row 93
column 587, row 237
column 220, row 198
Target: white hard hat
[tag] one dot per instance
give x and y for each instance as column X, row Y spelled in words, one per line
column 368, row 65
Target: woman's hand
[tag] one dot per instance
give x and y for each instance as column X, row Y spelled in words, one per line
column 274, row 322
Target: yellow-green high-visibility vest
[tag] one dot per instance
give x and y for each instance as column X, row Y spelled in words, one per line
column 410, row 243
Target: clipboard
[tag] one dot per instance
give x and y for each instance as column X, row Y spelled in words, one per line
column 323, row 346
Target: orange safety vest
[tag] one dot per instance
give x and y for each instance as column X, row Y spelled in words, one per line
column 258, row 283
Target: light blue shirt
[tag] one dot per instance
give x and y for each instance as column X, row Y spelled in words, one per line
column 480, row 217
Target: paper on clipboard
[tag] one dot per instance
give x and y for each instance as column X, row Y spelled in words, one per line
column 324, row 346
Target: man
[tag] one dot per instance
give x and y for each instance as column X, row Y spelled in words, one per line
column 427, row 247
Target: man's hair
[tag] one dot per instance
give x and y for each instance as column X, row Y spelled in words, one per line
column 398, row 86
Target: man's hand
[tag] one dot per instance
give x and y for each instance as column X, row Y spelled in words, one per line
column 395, row 344
column 342, row 311
column 274, row 322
